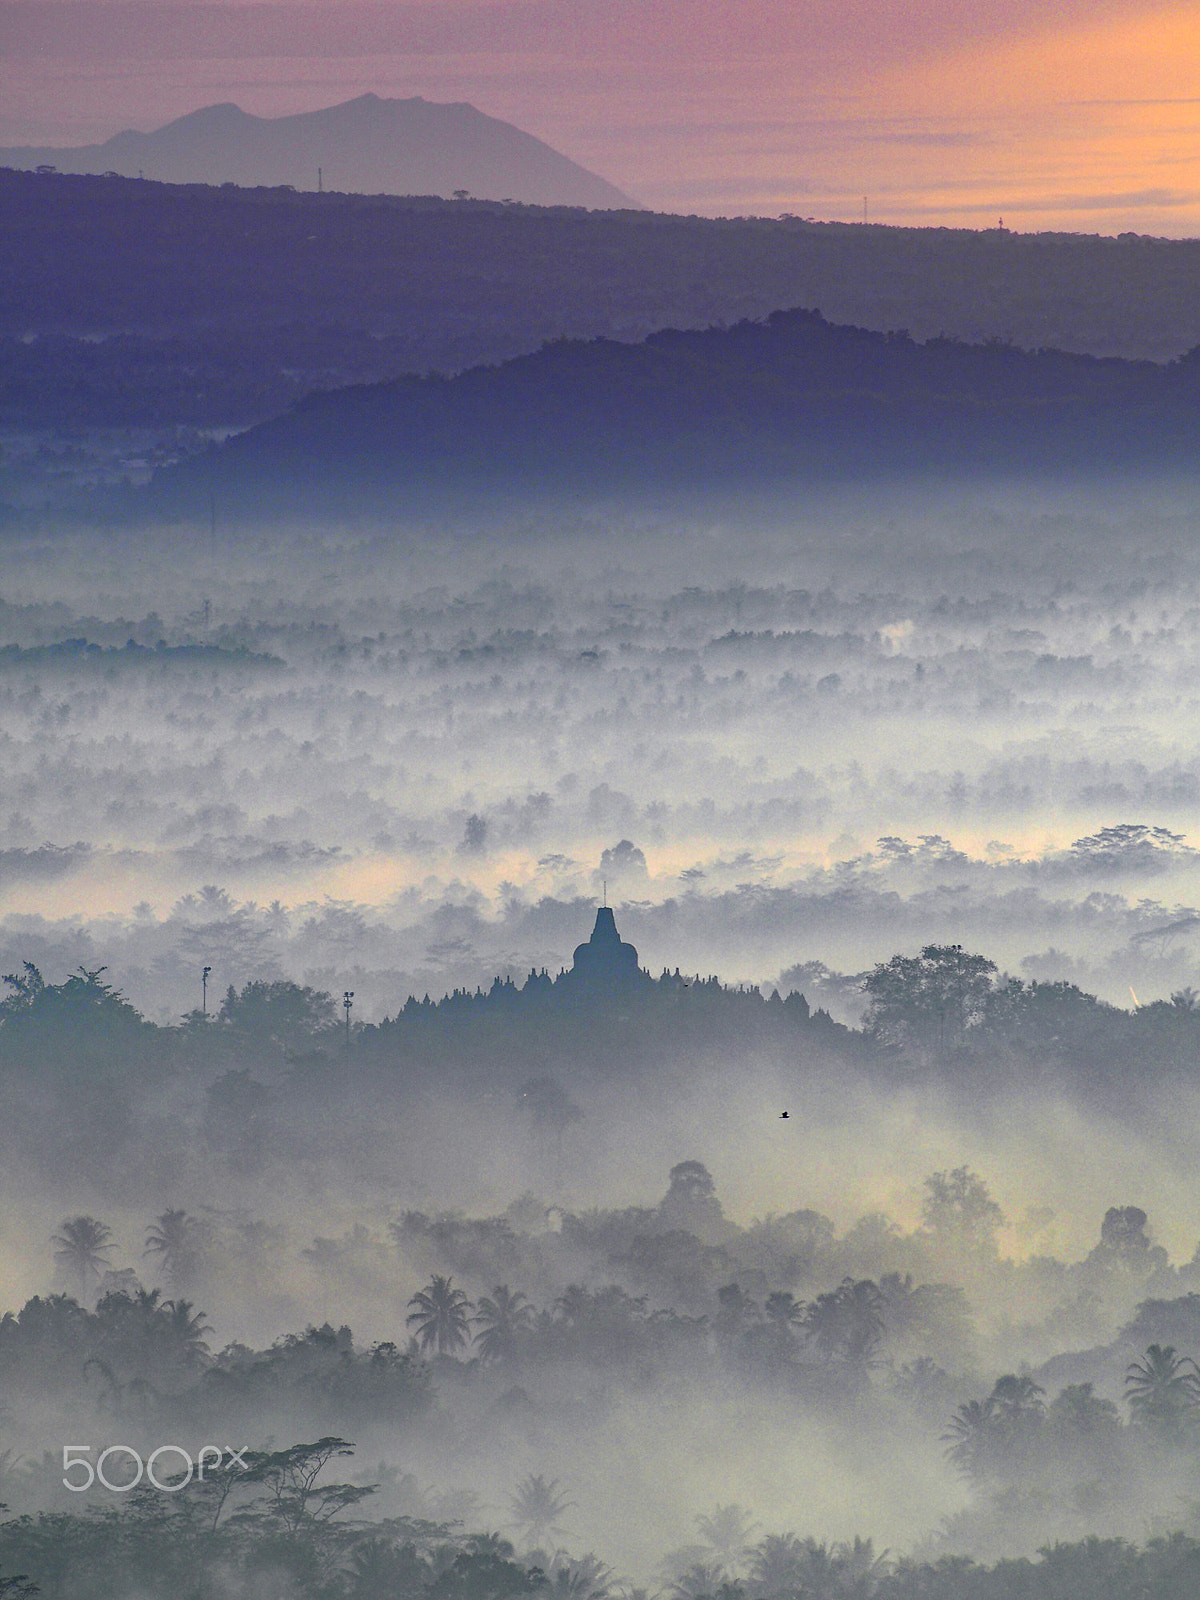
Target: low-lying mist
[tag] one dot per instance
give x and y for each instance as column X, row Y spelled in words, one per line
column 785, row 741
column 400, row 764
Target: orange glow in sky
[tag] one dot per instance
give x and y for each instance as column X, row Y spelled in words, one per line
column 940, row 112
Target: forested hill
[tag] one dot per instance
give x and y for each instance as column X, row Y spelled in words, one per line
column 136, row 303
column 790, row 396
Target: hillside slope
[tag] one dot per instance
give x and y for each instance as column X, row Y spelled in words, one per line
column 125, row 303
column 793, row 396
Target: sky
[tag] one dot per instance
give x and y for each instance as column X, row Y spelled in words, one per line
column 1083, row 116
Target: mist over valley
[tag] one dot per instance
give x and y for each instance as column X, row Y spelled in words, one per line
column 623, row 1024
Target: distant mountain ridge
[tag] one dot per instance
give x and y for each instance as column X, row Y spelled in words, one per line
column 790, row 397
column 367, row 145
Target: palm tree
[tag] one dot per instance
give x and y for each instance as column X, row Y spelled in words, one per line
column 584, row 1579
column 970, row 1439
column 184, row 1333
column 783, row 1312
column 442, row 1317
column 727, row 1533
column 502, row 1317
column 1017, row 1414
column 858, row 1564
column 83, row 1249
column 1163, row 1390
column 701, row 1581
column 778, row 1564
column 863, row 1310
column 537, row 1508
column 178, row 1241
column 116, row 1389
column 847, row 1321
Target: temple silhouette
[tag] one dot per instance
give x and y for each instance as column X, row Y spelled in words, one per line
column 606, row 960
column 604, row 1010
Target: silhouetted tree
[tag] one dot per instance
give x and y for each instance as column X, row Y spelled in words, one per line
column 931, row 999
column 727, row 1531
column 537, row 1508
column 847, row 1321
column 502, row 1318
column 691, row 1202
column 970, row 1438
column 179, row 1242
column 82, row 1248
column 1163, row 1391
column 960, row 1212
column 441, row 1315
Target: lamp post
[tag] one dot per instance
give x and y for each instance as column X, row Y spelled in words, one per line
column 347, row 1002
column 204, row 990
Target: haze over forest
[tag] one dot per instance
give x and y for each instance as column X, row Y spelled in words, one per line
column 420, row 909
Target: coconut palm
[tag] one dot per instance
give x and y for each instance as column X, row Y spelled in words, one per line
column 847, row 1321
column 970, row 1439
column 701, row 1581
column 502, row 1317
column 858, row 1564
column 783, row 1312
column 1017, row 1415
column 178, row 1241
column 537, row 1508
column 584, row 1579
column 83, row 1249
column 778, row 1564
column 727, row 1533
column 441, row 1316
column 183, row 1332
column 111, row 1399
column 1163, row 1390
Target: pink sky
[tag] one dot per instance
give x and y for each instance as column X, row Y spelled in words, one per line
column 938, row 111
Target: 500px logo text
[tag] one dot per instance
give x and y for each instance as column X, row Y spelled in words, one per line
column 209, row 1456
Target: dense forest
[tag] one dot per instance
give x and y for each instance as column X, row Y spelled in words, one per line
column 944, row 1014
column 792, row 401
column 127, row 302
column 995, row 1408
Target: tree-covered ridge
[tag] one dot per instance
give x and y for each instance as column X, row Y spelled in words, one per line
column 133, row 314
column 444, row 273
column 788, row 397
column 945, row 1011
column 278, row 1509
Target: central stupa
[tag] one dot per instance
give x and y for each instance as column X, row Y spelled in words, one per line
column 606, row 959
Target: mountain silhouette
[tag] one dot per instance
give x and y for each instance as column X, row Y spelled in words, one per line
column 368, row 145
column 790, row 397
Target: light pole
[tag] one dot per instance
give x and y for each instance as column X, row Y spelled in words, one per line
column 347, row 1002
column 204, row 990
